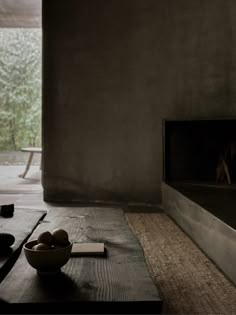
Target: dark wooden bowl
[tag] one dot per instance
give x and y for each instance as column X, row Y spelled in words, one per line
column 50, row 260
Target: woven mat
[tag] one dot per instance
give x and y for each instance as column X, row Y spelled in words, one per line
column 188, row 282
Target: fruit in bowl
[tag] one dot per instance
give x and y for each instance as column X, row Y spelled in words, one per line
column 46, row 254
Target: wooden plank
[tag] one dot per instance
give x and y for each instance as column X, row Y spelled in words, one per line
column 122, row 276
column 21, row 226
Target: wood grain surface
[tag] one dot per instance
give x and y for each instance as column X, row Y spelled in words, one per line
column 20, row 226
column 121, row 276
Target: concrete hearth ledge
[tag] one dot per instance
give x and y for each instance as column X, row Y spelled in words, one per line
column 213, row 236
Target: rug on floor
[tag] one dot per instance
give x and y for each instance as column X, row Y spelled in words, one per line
column 188, row 282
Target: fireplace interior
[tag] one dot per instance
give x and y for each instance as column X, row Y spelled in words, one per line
column 200, row 162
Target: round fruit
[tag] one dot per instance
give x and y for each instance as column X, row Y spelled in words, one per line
column 60, row 237
column 41, row 246
column 46, row 238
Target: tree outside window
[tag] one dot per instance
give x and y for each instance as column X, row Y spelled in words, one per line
column 20, row 88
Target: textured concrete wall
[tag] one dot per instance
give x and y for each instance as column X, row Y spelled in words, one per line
column 112, row 71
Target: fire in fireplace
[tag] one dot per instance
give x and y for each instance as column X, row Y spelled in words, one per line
column 200, row 150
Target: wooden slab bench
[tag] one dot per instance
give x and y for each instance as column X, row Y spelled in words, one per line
column 87, row 284
column 21, row 225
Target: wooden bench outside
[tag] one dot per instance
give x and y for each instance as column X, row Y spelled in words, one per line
column 31, row 151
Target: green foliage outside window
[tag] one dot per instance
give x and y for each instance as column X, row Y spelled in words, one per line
column 20, row 88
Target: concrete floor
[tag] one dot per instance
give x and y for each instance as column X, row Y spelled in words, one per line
column 10, row 180
column 22, row 192
column 28, row 191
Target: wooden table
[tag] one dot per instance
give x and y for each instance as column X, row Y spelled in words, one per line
column 31, row 151
column 21, row 225
column 87, row 284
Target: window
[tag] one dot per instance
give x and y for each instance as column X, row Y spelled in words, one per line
column 20, row 88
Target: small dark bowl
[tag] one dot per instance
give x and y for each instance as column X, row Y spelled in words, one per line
column 47, row 260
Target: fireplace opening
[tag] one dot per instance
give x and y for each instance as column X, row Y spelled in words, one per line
column 200, row 163
column 200, row 151
column 199, row 188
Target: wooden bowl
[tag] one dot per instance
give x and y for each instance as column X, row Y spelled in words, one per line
column 47, row 261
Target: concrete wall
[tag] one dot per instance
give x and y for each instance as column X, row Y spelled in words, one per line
column 112, row 71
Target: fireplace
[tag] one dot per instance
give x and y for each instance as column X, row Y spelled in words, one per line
column 200, row 151
column 198, row 191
